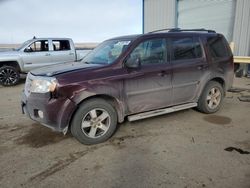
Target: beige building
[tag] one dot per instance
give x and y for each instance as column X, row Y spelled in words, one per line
column 230, row 17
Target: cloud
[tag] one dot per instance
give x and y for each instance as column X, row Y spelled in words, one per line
column 82, row 20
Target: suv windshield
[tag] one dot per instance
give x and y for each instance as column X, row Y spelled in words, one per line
column 107, row 52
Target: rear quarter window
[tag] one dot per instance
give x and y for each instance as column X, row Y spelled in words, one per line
column 217, row 47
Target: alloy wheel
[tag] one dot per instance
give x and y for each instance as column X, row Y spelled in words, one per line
column 96, row 123
column 8, row 76
column 214, row 98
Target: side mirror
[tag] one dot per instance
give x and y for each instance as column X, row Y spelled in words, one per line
column 28, row 49
column 133, row 62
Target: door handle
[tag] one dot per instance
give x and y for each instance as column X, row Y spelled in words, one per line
column 71, row 53
column 47, row 54
column 162, row 73
column 202, row 67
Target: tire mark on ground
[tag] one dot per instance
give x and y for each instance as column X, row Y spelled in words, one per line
column 117, row 142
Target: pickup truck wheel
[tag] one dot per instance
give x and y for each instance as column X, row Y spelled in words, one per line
column 94, row 122
column 211, row 98
column 9, row 76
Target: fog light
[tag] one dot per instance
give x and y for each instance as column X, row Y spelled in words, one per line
column 40, row 114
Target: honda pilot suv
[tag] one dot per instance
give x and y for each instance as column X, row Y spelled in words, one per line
column 133, row 77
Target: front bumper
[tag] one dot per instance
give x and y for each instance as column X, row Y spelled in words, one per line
column 54, row 113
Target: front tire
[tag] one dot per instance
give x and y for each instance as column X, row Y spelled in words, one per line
column 94, row 122
column 9, row 76
column 211, row 99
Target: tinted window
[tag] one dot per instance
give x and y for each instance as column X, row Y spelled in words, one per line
column 217, row 47
column 151, row 51
column 60, row 45
column 39, row 46
column 186, row 48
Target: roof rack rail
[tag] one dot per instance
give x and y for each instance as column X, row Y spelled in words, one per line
column 167, row 29
column 201, row 29
column 180, row 30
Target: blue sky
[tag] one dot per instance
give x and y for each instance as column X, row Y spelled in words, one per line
column 82, row 20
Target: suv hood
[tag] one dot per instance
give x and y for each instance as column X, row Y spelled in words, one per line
column 8, row 53
column 61, row 68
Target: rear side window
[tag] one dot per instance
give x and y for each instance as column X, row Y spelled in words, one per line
column 217, row 47
column 61, row 45
column 186, row 48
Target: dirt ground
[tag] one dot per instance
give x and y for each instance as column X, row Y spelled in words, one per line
column 183, row 149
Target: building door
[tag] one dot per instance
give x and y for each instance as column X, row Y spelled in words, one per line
column 216, row 15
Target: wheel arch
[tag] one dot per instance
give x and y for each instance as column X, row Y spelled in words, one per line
column 11, row 64
column 202, row 104
column 215, row 79
column 220, row 81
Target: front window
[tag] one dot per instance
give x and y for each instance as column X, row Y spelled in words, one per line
column 151, row 51
column 107, row 52
column 39, row 46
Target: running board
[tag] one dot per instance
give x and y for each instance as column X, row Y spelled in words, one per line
column 161, row 111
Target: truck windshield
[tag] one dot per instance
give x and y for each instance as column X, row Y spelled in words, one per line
column 107, row 52
column 23, row 45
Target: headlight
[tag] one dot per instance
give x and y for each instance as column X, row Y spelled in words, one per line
column 43, row 85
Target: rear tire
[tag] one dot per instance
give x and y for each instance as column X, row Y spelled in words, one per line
column 94, row 122
column 9, row 76
column 211, row 98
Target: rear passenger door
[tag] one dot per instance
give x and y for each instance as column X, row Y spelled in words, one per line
column 62, row 51
column 189, row 67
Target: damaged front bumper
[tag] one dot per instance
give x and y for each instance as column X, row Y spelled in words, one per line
column 54, row 113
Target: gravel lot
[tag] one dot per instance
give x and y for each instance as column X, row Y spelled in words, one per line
column 183, row 149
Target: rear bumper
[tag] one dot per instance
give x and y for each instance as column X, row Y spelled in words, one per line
column 53, row 113
column 229, row 80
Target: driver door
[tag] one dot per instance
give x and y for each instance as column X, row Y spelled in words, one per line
column 149, row 86
column 36, row 55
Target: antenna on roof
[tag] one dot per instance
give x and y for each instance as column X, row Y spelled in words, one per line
column 34, row 37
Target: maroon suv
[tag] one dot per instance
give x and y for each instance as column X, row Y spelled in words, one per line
column 136, row 76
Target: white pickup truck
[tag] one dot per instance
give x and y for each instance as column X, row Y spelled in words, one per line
column 35, row 53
